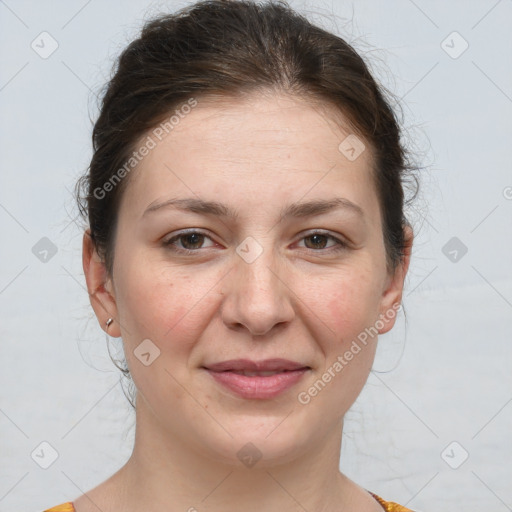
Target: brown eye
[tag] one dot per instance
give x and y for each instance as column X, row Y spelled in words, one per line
column 319, row 241
column 187, row 243
column 192, row 241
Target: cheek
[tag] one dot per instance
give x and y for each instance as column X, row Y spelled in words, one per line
column 167, row 307
column 349, row 309
column 170, row 313
column 350, row 302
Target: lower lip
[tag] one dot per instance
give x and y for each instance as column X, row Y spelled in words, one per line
column 255, row 387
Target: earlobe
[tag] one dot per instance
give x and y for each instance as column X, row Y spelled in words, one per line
column 99, row 286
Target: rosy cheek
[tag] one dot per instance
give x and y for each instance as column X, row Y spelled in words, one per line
column 348, row 315
column 171, row 320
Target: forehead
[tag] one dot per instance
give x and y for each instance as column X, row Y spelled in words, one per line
column 242, row 127
column 262, row 147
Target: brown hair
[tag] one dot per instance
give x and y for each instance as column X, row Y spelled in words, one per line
column 230, row 48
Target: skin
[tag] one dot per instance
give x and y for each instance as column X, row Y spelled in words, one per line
column 300, row 300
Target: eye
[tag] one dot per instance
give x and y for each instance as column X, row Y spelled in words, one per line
column 190, row 241
column 318, row 241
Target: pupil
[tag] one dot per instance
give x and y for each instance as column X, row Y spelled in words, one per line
column 316, row 240
column 196, row 239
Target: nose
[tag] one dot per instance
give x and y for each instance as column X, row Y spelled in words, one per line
column 257, row 295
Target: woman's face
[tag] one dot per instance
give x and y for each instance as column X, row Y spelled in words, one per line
column 253, row 281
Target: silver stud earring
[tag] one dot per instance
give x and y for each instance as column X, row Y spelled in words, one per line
column 108, row 322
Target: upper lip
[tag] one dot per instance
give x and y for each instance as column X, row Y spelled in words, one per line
column 268, row 365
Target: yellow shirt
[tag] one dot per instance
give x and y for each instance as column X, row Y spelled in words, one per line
column 388, row 506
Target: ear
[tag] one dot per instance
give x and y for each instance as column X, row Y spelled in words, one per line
column 392, row 294
column 99, row 286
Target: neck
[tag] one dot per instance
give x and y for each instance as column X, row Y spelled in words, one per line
column 163, row 472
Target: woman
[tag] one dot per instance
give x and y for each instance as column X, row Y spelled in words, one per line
column 248, row 243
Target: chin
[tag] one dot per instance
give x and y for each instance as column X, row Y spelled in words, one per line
column 258, row 442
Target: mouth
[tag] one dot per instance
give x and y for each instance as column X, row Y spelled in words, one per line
column 257, row 380
column 261, row 374
column 257, row 367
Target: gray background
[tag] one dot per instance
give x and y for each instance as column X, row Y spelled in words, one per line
column 443, row 377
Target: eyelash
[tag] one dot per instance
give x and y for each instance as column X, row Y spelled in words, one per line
column 169, row 244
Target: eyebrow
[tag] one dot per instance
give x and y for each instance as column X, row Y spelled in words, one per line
column 299, row 209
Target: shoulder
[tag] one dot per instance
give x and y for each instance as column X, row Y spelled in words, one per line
column 390, row 506
column 64, row 507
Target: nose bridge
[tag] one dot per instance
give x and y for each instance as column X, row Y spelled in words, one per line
column 258, row 298
column 259, row 276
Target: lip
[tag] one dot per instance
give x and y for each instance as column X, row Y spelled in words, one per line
column 257, row 387
column 268, row 365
